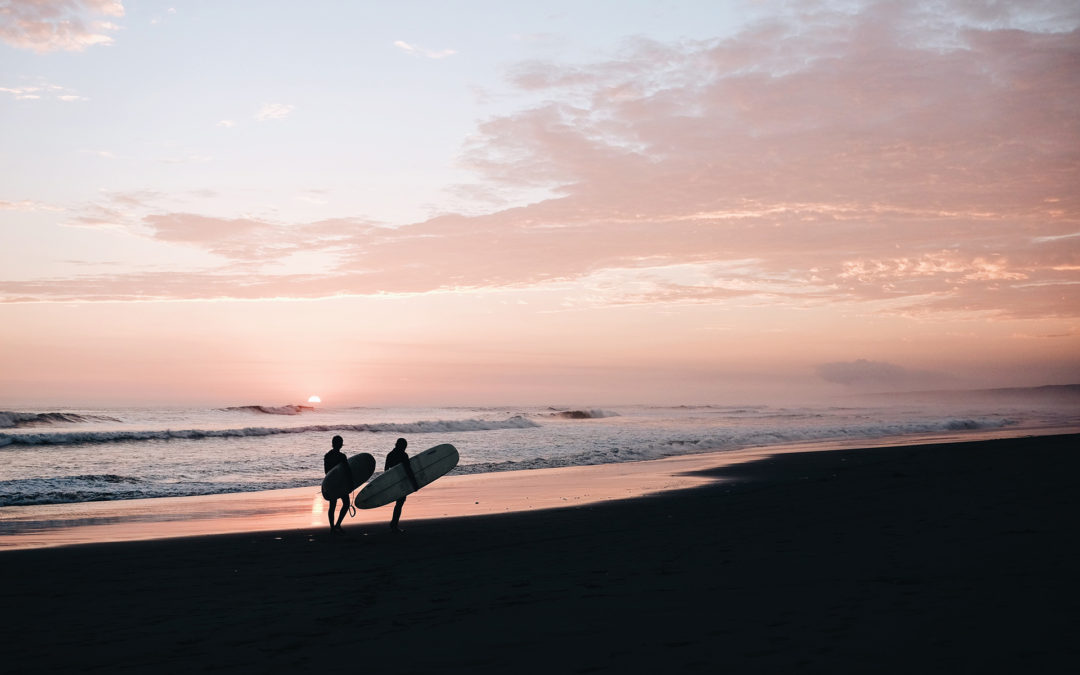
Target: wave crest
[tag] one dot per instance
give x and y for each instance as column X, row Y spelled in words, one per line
column 582, row 414
column 424, row 427
column 272, row 410
column 17, row 420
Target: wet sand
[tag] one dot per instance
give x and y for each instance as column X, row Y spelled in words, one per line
column 452, row 496
column 933, row 558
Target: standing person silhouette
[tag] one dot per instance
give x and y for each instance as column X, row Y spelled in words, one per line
column 399, row 456
column 330, row 460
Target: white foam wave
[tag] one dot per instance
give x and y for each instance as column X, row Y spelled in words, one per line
column 555, row 444
column 108, row 487
column 272, row 410
column 118, row 436
column 14, row 420
column 582, row 414
column 735, row 439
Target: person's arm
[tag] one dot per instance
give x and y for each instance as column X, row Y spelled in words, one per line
column 348, row 471
column 410, row 474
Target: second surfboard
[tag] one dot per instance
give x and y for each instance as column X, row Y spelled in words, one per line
column 394, row 484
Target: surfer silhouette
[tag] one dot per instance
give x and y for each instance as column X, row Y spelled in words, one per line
column 330, row 460
column 399, row 456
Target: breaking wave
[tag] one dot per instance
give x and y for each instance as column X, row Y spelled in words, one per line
column 193, row 472
column 18, row 420
column 64, row 489
column 583, row 414
column 423, row 427
column 272, row 410
column 111, row 487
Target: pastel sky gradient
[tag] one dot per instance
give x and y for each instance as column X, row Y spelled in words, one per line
column 558, row 202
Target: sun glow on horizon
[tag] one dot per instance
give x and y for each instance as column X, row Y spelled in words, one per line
column 314, row 399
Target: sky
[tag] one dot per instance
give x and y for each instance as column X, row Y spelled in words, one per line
column 502, row 203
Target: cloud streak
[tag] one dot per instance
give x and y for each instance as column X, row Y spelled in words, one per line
column 879, row 375
column 42, row 90
column 27, row 205
column 274, row 111
column 420, row 51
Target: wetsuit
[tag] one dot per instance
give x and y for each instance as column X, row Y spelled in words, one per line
column 333, row 458
column 399, row 456
column 330, row 460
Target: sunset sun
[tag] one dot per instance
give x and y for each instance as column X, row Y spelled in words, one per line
column 314, row 399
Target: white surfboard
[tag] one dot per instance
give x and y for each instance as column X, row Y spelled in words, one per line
column 335, row 484
column 394, row 483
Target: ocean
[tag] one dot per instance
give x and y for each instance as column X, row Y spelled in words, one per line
column 79, row 455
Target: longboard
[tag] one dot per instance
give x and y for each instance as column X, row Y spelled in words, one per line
column 335, row 484
column 394, row 484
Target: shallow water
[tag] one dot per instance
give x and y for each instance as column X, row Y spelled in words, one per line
column 82, row 455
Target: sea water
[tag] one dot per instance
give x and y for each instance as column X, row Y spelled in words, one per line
column 79, row 455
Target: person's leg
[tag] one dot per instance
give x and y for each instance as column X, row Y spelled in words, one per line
column 330, row 513
column 397, row 514
column 344, row 510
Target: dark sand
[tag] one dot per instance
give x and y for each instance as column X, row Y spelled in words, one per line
column 955, row 558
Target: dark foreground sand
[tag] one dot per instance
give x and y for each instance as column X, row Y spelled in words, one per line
column 952, row 558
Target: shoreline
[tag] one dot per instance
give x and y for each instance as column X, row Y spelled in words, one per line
column 453, row 496
column 941, row 558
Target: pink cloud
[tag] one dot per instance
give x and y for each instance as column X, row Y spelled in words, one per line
column 252, row 240
column 58, row 25
column 27, row 205
column 189, row 228
column 870, row 157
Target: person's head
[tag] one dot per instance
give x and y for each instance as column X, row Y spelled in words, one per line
column 401, row 444
column 336, row 442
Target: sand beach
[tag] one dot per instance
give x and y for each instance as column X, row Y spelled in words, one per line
column 949, row 557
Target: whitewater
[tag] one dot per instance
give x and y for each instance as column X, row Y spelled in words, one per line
column 81, row 455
